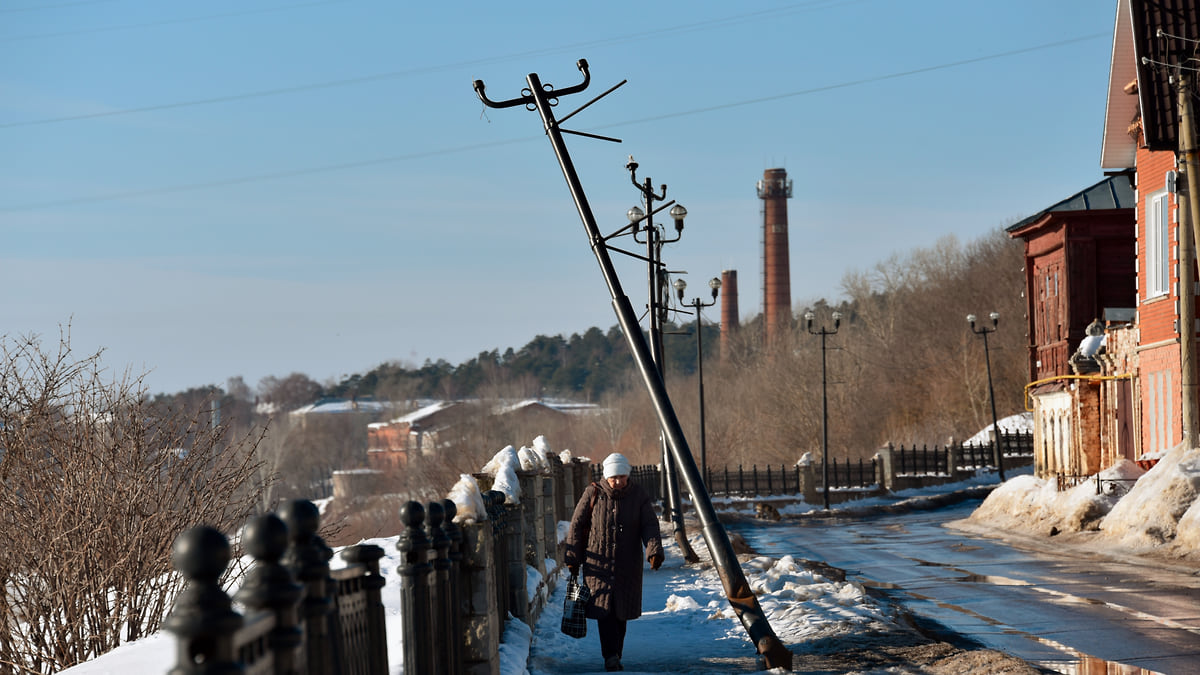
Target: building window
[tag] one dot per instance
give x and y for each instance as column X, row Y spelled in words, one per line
column 1158, row 245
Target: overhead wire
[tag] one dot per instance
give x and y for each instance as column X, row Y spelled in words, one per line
column 60, row 5
column 163, row 22
column 424, row 70
column 438, row 152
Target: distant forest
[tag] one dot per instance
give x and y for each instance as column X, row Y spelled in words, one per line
column 580, row 367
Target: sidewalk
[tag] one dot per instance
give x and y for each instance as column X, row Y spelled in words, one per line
column 832, row 626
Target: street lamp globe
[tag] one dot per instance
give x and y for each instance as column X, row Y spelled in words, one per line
column 678, row 213
column 635, row 214
column 715, row 285
column 680, row 285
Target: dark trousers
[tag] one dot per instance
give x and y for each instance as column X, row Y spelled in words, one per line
column 612, row 635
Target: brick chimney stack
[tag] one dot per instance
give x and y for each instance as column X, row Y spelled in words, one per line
column 775, row 189
column 729, row 311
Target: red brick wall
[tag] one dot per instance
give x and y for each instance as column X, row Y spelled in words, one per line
column 1159, row 381
column 1161, row 397
column 1156, row 316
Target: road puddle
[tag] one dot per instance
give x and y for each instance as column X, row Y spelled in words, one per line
column 1082, row 664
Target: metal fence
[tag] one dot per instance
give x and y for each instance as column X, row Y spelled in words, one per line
column 456, row 584
column 910, row 463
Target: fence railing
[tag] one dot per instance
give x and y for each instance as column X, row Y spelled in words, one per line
column 891, row 468
column 457, row 584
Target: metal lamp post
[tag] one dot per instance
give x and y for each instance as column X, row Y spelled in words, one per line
column 823, row 332
column 696, row 304
column 642, row 223
column 997, row 456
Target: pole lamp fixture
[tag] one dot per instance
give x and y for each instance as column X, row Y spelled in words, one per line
column 997, row 456
column 641, row 223
column 823, row 332
column 696, row 304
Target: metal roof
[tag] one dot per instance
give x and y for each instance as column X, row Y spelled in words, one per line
column 1114, row 192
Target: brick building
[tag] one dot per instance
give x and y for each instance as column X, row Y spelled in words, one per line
column 1140, row 134
column 1078, row 270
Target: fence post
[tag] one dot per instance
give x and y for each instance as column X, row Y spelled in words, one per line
column 481, row 601
column 515, row 538
column 533, row 525
column 369, row 555
column 549, row 523
column 270, row 587
column 884, row 473
column 413, row 546
column 202, row 619
column 307, row 557
column 439, row 558
column 454, row 534
column 493, row 501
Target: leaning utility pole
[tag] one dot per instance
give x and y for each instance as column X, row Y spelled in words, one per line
column 737, row 590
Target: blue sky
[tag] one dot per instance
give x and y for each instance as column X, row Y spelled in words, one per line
column 262, row 187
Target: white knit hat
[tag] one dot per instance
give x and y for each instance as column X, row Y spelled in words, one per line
column 616, row 465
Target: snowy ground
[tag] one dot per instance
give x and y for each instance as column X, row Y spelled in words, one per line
column 832, row 626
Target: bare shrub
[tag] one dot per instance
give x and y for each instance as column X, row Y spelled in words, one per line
column 96, row 483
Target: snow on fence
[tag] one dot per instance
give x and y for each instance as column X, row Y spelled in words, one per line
column 457, row 583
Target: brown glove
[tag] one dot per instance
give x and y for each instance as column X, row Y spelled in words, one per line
column 655, row 560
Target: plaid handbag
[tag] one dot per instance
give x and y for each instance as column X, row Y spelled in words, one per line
column 573, row 621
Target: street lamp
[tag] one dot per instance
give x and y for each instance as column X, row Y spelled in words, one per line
column 696, row 304
column 997, row 456
column 808, row 322
column 642, row 223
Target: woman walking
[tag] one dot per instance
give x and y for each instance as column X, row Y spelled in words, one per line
column 614, row 524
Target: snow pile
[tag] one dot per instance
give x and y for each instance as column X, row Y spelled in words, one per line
column 503, row 467
column 1159, row 513
column 1021, row 422
column 532, row 460
column 1035, row 505
column 803, row 605
column 514, row 646
column 468, row 500
column 1152, row 513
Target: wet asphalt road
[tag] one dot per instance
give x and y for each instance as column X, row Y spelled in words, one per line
column 1057, row 608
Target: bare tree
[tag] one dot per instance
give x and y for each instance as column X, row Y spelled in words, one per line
column 96, row 484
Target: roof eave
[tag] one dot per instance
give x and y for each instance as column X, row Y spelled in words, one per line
column 1118, row 148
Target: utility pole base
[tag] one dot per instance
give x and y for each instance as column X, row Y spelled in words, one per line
column 774, row 653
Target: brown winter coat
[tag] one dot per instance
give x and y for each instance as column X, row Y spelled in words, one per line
column 613, row 533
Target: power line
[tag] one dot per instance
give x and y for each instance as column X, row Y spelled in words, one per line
column 478, row 146
column 13, row 10
column 603, row 42
column 258, row 178
column 853, row 83
column 163, row 22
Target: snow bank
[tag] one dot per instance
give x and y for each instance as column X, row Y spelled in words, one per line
column 1159, row 513
column 1152, row 513
column 1034, row 505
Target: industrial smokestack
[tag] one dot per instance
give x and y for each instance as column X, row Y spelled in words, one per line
column 729, row 311
column 775, row 189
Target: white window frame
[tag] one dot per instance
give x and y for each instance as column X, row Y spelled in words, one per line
column 1158, row 245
